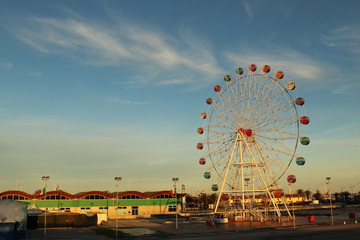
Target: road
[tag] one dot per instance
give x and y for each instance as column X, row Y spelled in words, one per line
column 309, row 233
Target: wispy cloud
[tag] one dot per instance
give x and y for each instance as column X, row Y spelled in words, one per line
column 350, row 86
column 31, row 123
column 347, row 36
column 248, row 10
column 348, row 142
column 149, row 51
column 342, row 89
column 293, row 63
column 6, row 64
column 122, row 101
column 341, row 131
column 174, row 81
column 35, row 74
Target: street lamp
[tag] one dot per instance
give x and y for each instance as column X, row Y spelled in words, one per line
column 183, row 201
column 45, row 179
column 175, row 180
column 117, row 180
column 331, row 211
column 352, row 192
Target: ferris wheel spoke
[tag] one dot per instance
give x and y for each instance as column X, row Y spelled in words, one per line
column 220, row 133
column 262, row 119
column 220, row 122
column 277, row 131
column 280, row 123
column 219, row 138
column 278, row 148
column 230, row 111
column 276, row 138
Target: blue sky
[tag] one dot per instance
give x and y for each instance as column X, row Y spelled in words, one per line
column 91, row 90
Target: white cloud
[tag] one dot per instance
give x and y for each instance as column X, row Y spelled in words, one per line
column 294, row 64
column 340, row 131
column 343, row 89
column 347, row 36
column 130, row 102
column 6, row 64
column 35, row 74
column 150, row 52
column 174, row 81
column 248, row 11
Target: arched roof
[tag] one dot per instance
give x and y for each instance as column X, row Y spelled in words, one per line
column 57, row 193
column 19, row 193
column 162, row 193
column 85, row 194
column 136, row 193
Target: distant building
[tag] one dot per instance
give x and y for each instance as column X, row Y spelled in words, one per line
column 122, row 205
column 262, row 200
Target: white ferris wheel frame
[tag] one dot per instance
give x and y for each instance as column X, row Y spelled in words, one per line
column 253, row 124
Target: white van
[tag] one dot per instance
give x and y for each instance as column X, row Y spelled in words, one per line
column 220, row 218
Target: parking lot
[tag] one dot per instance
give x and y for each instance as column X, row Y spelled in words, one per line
column 343, row 218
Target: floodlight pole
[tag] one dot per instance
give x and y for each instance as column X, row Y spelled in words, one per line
column 292, row 203
column 331, row 211
column 117, row 179
column 45, row 179
column 175, row 180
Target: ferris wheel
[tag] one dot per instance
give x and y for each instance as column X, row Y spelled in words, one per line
column 250, row 135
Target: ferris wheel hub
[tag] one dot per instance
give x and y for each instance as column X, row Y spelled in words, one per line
column 247, row 132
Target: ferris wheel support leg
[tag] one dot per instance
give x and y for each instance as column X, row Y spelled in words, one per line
column 286, row 207
column 272, row 195
column 242, row 178
column 225, row 177
column 265, row 181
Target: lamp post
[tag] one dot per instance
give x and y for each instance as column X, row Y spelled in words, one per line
column 183, row 199
column 45, row 179
column 292, row 203
column 292, row 179
column 331, row 211
column 352, row 192
column 117, row 180
column 175, row 180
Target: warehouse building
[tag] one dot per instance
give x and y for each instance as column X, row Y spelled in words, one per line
column 122, row 205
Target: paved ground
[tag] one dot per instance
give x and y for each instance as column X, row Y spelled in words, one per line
column 327, row 232
column 197, row 228
column 65, row 233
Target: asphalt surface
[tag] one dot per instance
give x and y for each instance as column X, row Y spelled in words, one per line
column 65, row 233
column 314, row 232
column 344, row 228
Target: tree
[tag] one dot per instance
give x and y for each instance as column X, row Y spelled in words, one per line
column 191, row 201
column 344, row 196
column 300, row 191
column 206, row 199
column 317, row 195
column 307, row 194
